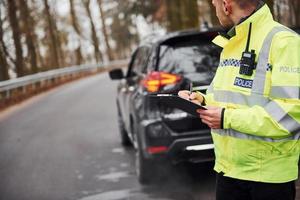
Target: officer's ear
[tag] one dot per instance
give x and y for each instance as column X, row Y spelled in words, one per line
column 227, row 7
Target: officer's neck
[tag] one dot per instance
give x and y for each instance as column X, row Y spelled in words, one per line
column 238, row 15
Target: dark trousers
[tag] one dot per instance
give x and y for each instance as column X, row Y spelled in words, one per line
column 234, row 189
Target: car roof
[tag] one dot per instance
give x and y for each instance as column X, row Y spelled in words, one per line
column 169, row 38
column 296, row 29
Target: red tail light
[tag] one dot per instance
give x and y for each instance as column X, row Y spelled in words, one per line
column 155, row 80
column 157, row 149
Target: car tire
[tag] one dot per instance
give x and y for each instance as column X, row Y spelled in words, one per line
column 144, row 168
column 125, row 140
column 151, row 170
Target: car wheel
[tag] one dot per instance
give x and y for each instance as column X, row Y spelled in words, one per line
column 144, row 169
column 151, row 170
column 125, row 140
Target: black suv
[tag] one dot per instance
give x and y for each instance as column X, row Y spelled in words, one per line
column 163, row 134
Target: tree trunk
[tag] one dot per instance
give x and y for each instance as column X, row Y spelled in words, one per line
column 95, row 40
column 79, row 57
column 173, row 23
column 4, row 66
column 14, row 23
column 213, row 16
column 2, row 43
column 295, row 14
column 3, row 62
column 74, row 18
column 77, row 29
column 270, row 4
column 108, row 48
column 40, row 58
column 190, row 14
column 60, row 41
column 29, row 34
column 54, row 63
column 182, row 14
column 278, row 13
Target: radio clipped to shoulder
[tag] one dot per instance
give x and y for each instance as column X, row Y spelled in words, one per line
column 247, row 62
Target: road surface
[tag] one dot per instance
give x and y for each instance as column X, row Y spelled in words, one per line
column 64, row 145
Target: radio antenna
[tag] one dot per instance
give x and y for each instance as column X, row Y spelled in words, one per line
column 249, row 36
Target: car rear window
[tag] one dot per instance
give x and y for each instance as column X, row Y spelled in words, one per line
column 195, row 60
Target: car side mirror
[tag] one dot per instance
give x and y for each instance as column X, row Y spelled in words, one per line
column 116, row 74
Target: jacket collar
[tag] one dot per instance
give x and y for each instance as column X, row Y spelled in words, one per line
column 258, row 17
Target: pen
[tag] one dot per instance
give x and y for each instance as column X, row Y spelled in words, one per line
column 191, row 89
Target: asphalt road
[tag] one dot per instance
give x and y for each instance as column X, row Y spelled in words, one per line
column 65, row 145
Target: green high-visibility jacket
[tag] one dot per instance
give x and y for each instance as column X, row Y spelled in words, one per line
column 261, row 129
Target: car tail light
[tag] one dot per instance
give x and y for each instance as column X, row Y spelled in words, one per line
column 157, row 149
column 155, row 80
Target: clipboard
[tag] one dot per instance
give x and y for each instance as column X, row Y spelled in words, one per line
column 177, row 102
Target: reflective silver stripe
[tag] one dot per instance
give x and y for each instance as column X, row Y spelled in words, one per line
column 271, row 107
column 286, row 92
column 284, row 119
column 260, row 75
column 210, row 88
column 237, row 134
column 239, row 98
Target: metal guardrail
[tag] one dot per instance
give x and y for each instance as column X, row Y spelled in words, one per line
column 7, row 86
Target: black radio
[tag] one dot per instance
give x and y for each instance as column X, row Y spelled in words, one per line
column 247, row 62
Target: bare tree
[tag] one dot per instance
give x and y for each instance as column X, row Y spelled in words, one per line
column 4, row 66
column 98, row 54
column 182, row 14
column 270, row 4
column 277, row 10
column 295, row 14
column 104, row 29
column 77, row 29
column 3, row 45
column 28, row 28
column 14, row 23
column 3, row 62
column 123, row 27
column 38, row 21
column 54, row 58
column 61, row 39
column 213, row 16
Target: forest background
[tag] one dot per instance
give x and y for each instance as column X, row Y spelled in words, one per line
column 39, row 35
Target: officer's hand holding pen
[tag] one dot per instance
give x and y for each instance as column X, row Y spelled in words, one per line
column 192, row 96
column 211, row 116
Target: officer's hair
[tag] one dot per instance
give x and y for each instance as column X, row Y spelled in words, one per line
column 246, row 3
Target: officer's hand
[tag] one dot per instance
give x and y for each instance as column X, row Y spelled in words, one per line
column 194, row 97
column 211, row 116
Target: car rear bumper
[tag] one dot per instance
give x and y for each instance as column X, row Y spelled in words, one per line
column 192, row 146
column 194, row 149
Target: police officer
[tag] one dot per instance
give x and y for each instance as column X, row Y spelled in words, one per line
column 253, row 104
